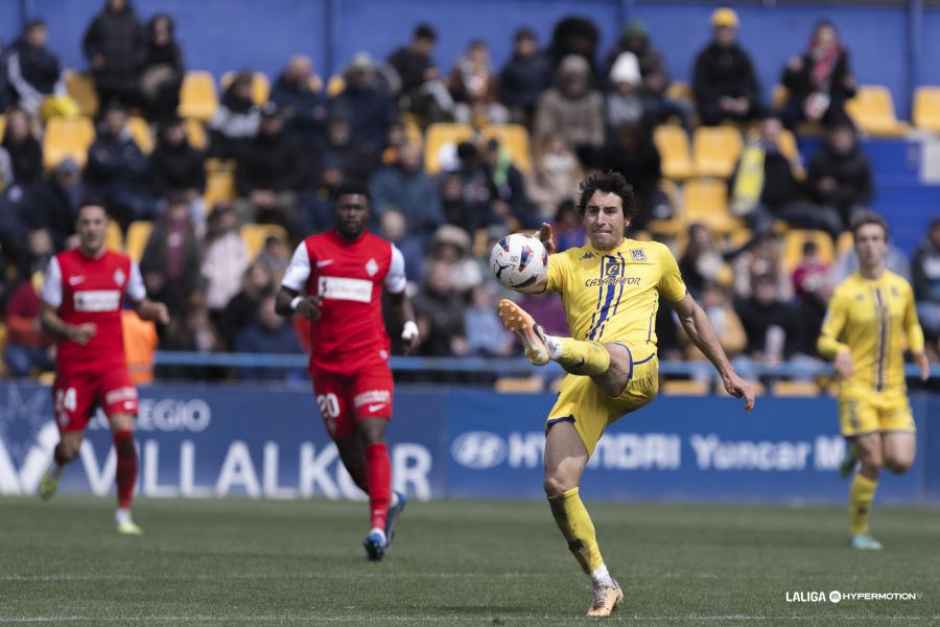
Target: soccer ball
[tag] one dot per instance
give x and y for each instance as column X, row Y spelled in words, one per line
column 518, row 260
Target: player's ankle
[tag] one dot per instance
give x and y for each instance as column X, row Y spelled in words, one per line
column 123, row 515
column 600, row 576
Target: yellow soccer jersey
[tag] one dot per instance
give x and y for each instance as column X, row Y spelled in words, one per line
column 876, row 320
column 614, row 295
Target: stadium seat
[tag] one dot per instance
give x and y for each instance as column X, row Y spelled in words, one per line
column 675, row 225
column 198, row 97
column 673, row 145
column 140, row 132
column 706, row 201
column 138, row 234
column 715, row 150
column 678, row 90
column 443, row 138
column 873, row 111
column 520, row 385
column 927, row 109
column 113, row 238
column 793, row 246
column 260, row 86
column 254, row 235
column 794, row 388
column 67, row 138
column 220, row 187
column 81, row 88
column 684, row 388
column 196, row 134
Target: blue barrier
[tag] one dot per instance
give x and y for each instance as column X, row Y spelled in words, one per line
column 217, row 441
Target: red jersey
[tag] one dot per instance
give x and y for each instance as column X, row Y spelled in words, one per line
column 92, row 289
column 349, row 277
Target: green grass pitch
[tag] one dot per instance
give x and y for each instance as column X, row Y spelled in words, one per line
column 240, row 562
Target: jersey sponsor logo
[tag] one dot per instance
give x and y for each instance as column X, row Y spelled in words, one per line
column 324, row 263
column 97, row 300
column 629, row 281
column 338, row 288
column 119, row 277
column 76, row 280
column 382, row 397
column 372, row 267
column 120, row 394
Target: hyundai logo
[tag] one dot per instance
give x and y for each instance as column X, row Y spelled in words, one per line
column 478, row 450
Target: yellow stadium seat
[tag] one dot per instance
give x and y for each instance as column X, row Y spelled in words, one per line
column 515, row 139
column 260, row 86
column 198, row 97
column 140, row 132
column 67, row 138
column 845, row 243
column 254, row 235
column 927, row 109
column 520, row 385
column 715, row 149
column 335, row 86
column 3, row 125
column 794, row 388
column 220, row 187
column 113, row 238
column 440, row 137
column 81, row 88
column 679, row 91
column 676, row 225
column 685, row 388
column 673, row 145
column 196, row 134
column 793, row 246
column 873, row 111
column 138, row 234
column 705, row 201
column 780, row 96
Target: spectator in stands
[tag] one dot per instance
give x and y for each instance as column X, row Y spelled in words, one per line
column 451, row 246
column 723, row 81
column 269, row 175
column 839, row 173
column 268, row 333
column 177, row 167
column 524, row 77
column 636, row 40
column 405, row 187
column 572, row 110
column 27, row 347
column 762, row 256
column 577, row 36
column 624, row 103
column 162, row 71
column 191, row 330
column 299, row 93
column 33, row 69
column 926, row 280
column 236, row 121
column 568, row 226
column 171, row 258
column 342, row 157
column 729, row 330
column 224, row 260
column 276, row 254
column 819, row 82
column 7, row 178
column 24, row 149
column 473, row 86
column 257, row 282
column 117, row 169
column 53, row 203
column 366, row 104
column 419, row 84
column 5, row 90
column 631, row 152
column 763, row 187
column 769, row 322
column 486, row 336
column 554, row 177
column 115, row 45
column 467, row 194
column 813, row 290
column 439, row 314
column 511, row 204
column 702, row 264
column 394, row 228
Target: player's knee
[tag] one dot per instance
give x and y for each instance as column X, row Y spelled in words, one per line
column 67, row 450
column 898, row 465
column 556, row 485
column 372, row 432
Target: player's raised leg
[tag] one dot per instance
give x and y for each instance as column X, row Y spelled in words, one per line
column 565, row 459
column 862, row 491
column 122, row 430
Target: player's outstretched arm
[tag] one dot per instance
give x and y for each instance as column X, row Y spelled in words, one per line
column 153, row 311
column 702, row 334
column 54, row 325
column 288, row 302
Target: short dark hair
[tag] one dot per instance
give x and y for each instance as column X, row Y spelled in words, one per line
column 609, row 182
column 425, row 31
column 862, row 218
column 352, row 188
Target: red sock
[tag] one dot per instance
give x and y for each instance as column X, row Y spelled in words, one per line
column 126, row 466
column 379, row 470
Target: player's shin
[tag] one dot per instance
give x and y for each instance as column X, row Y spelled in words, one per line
column 576, row 526
column 861, row 495
column 379, row 471
column 126, row 466
column 579, row 357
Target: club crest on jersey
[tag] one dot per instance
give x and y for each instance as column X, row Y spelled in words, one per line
column 587, row 255
column 638, row 254
column 372, row 267
column 119, row 276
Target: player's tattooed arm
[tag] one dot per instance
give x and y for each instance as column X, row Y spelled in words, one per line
column 699, row 329
column 54, row 325
column 288, row 302
column 405, row 313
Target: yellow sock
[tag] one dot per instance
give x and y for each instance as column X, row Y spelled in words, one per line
column 580, row 357
column 861, row 495
column 575, row 524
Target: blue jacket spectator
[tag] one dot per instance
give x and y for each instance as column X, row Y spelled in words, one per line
column 366, row 104
column 115, row 45
column 269, row 333
column 405, row 187
column 297, row 92
column 34, row 71
column 525, row 76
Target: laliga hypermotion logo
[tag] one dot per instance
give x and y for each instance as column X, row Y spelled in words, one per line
column 27, row 436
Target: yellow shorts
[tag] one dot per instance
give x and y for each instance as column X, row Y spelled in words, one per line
column 583, row 403
column 862, row 412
